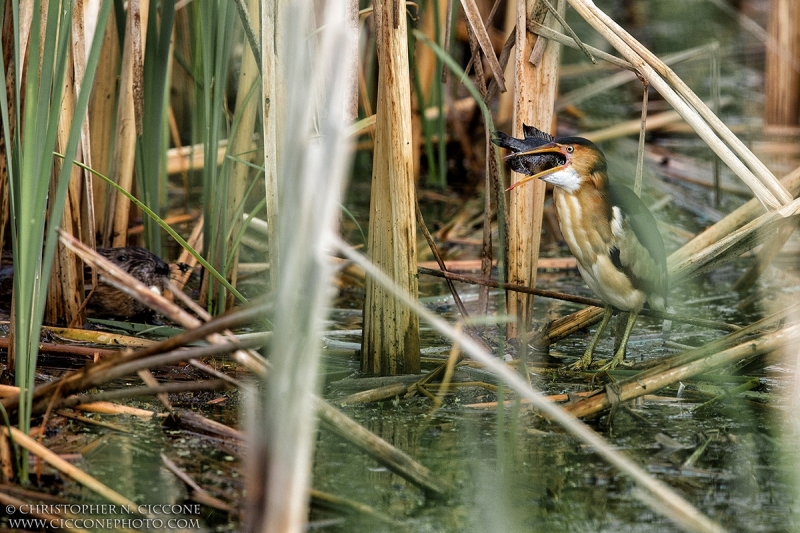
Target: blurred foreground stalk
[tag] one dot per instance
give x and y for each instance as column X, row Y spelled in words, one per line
column 312, row 171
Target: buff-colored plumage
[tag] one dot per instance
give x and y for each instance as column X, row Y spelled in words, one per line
column 609, row 230
column 606, row 228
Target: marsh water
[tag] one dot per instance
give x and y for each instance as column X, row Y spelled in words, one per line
column 510, row 469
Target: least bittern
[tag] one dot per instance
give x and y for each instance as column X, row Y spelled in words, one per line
column 606, row 226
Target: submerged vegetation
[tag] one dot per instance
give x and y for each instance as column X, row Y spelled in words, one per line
column 355, row 287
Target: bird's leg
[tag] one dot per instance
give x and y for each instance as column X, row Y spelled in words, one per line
column 586, row 360
column 620, row 355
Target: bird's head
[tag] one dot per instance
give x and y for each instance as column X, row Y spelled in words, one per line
column 578, row 162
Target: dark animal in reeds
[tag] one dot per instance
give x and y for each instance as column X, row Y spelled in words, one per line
column 106, row 301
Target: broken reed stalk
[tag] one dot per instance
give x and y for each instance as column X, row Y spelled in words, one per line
column 106, row 371
column 66, row 468
column 764, row 257
column 55, row 348
column 240, row 148
column 381, row 451
column 390, row 343
column 102, row 120
column 703, row 360
column 535, row 87
column 654, row 122
column 374, row 395
column 475, row 22
column 572, row 298
column 348, row 507
column 196, row 492
column 782, row 79
column 128, row 125
column 566, row 40
column 707, row 125
column 745, row 238
column 723, row 343
column 474, row 57
column 736, row 219
column 134, row 392
column 637, row 182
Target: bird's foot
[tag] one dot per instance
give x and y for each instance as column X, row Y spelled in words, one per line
column 618, row 359
column 583, row 363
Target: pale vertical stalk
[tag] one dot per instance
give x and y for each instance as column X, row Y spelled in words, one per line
column 65, row 290
column 83, row 28
column 119, row 207
column 390, row 343
column 241, row 146
column 312, row 175
column 101, row 120
column 782, row 98
column 271, row 112
column 536, row 88
column 505, row 107
column 637, row 182
column 353, row 70
column 716, row 105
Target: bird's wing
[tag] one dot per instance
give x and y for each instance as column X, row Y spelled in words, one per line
column 639, row 249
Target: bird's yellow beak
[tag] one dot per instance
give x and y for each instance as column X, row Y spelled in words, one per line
column 552, row 148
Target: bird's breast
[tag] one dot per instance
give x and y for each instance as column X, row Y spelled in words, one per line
column 587, row 230
column 584, row 224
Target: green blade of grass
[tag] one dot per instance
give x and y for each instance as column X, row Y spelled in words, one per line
column 30, row 173
column 150, row 145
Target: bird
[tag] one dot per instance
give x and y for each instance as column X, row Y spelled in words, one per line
column 607, row 227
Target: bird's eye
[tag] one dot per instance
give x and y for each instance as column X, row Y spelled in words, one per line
column 570, row 149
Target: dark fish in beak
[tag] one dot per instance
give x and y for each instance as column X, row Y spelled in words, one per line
column 528, row 164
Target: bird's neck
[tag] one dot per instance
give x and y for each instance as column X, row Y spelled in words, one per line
column 594, row 199
column 593, row 192
column 584, row 217
column 598, row 180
